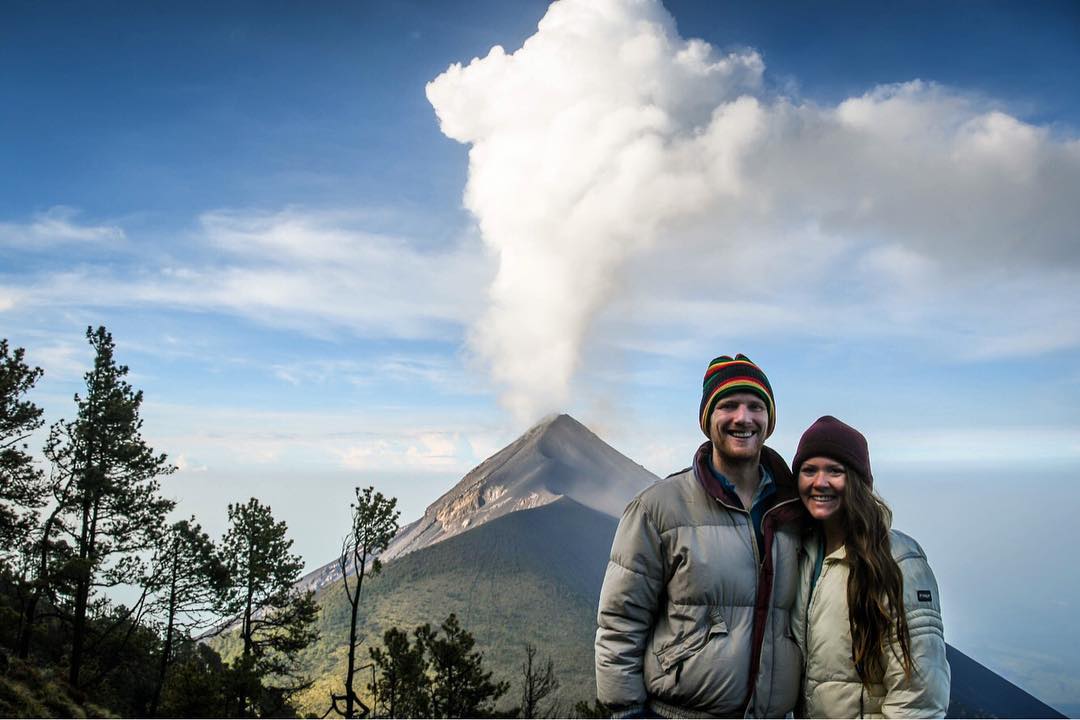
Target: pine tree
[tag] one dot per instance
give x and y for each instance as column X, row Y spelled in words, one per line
column 460, row 688
column 186, row 584
column 441, row 676
column 108, row 494
column 374, row 524
column 401, row 689
column 276, row 620
column 22, row 485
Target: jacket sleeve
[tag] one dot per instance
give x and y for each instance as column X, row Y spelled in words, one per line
column 926, row 693
column 628, row 606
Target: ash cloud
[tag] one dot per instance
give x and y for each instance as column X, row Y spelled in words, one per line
column 607, row 144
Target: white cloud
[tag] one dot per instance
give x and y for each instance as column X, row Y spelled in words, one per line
column 57, row 226
column 424, row 451
column 7, row 299
column 373, row 437
column 184, row 465
column 313, row 272
column 613, row 161
column 61, row 360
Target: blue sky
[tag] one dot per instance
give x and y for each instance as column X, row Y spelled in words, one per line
column 331, row 258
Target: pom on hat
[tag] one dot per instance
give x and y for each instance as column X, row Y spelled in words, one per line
column 726, row 375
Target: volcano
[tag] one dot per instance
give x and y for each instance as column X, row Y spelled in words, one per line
column 557, row 458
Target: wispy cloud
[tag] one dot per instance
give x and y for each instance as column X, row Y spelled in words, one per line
column 313, row 272
column 58, row 225
column 378, row 438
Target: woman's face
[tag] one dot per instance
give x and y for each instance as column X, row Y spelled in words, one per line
column 821, row 487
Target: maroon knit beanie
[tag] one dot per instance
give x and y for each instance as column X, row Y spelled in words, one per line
column 831, row 438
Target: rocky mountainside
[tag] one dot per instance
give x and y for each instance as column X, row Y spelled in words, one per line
column 559, row 457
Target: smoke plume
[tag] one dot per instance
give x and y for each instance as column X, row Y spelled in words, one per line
column 607, row 141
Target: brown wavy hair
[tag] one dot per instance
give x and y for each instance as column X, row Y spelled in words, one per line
column 875, row 588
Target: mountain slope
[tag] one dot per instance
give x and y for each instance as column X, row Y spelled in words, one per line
column 980, row 692
column 559, row 457
column 529, row 576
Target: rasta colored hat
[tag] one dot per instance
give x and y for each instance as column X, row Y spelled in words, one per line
column 726, row 375
column 831, row 438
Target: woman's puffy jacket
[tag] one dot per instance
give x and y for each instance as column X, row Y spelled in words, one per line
column 831, row 687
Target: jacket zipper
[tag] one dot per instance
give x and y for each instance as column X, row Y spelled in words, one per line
column 759, row 561
column 809, row 606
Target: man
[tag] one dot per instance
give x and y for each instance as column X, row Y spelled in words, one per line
column 694, row 611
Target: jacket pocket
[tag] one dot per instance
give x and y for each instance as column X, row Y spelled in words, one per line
column 711, row 625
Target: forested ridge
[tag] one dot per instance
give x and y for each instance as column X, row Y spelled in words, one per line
column 215, row 627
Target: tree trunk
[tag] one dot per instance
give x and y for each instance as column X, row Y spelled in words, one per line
column 38, row 586
column 26, row 628
column 82, row 593
column 246, row 632
column 167, row 649
column 355, row 602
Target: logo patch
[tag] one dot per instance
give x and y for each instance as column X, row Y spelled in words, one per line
column 924, row 596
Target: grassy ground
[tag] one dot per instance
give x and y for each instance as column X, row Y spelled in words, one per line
column 27, row 691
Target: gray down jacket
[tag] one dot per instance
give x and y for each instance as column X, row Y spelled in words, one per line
column 692, row 622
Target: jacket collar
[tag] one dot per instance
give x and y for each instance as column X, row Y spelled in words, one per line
column 770, row 460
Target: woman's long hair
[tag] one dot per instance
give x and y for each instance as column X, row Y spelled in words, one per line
column 875, row 588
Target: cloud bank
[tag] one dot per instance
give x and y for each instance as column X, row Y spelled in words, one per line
column 317, row 272
column 615, row 165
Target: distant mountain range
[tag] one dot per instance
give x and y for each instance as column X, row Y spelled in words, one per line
column 518, row 550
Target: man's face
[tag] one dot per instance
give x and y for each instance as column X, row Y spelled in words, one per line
column 821, row 486
column 737, row 427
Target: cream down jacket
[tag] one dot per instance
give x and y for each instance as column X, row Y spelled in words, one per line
column 831, row 687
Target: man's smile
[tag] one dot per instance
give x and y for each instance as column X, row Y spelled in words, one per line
column 742, row 434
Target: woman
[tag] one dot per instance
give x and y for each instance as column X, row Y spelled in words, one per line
column 868, row 615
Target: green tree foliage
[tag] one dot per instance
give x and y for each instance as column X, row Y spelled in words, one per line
column 452, row 684
column 109, row 506
column 374, row 524
column 186, row 581
column 23, row 488
column 197, row 684
column 538, row 682
column 276, row 621
column 22, row 485
column 401, row 688
column 459, row 685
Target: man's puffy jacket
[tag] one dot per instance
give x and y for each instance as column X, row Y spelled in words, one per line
column 688, row 607
column 832, row 687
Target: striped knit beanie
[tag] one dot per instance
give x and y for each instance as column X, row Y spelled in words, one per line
column 726, row 375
